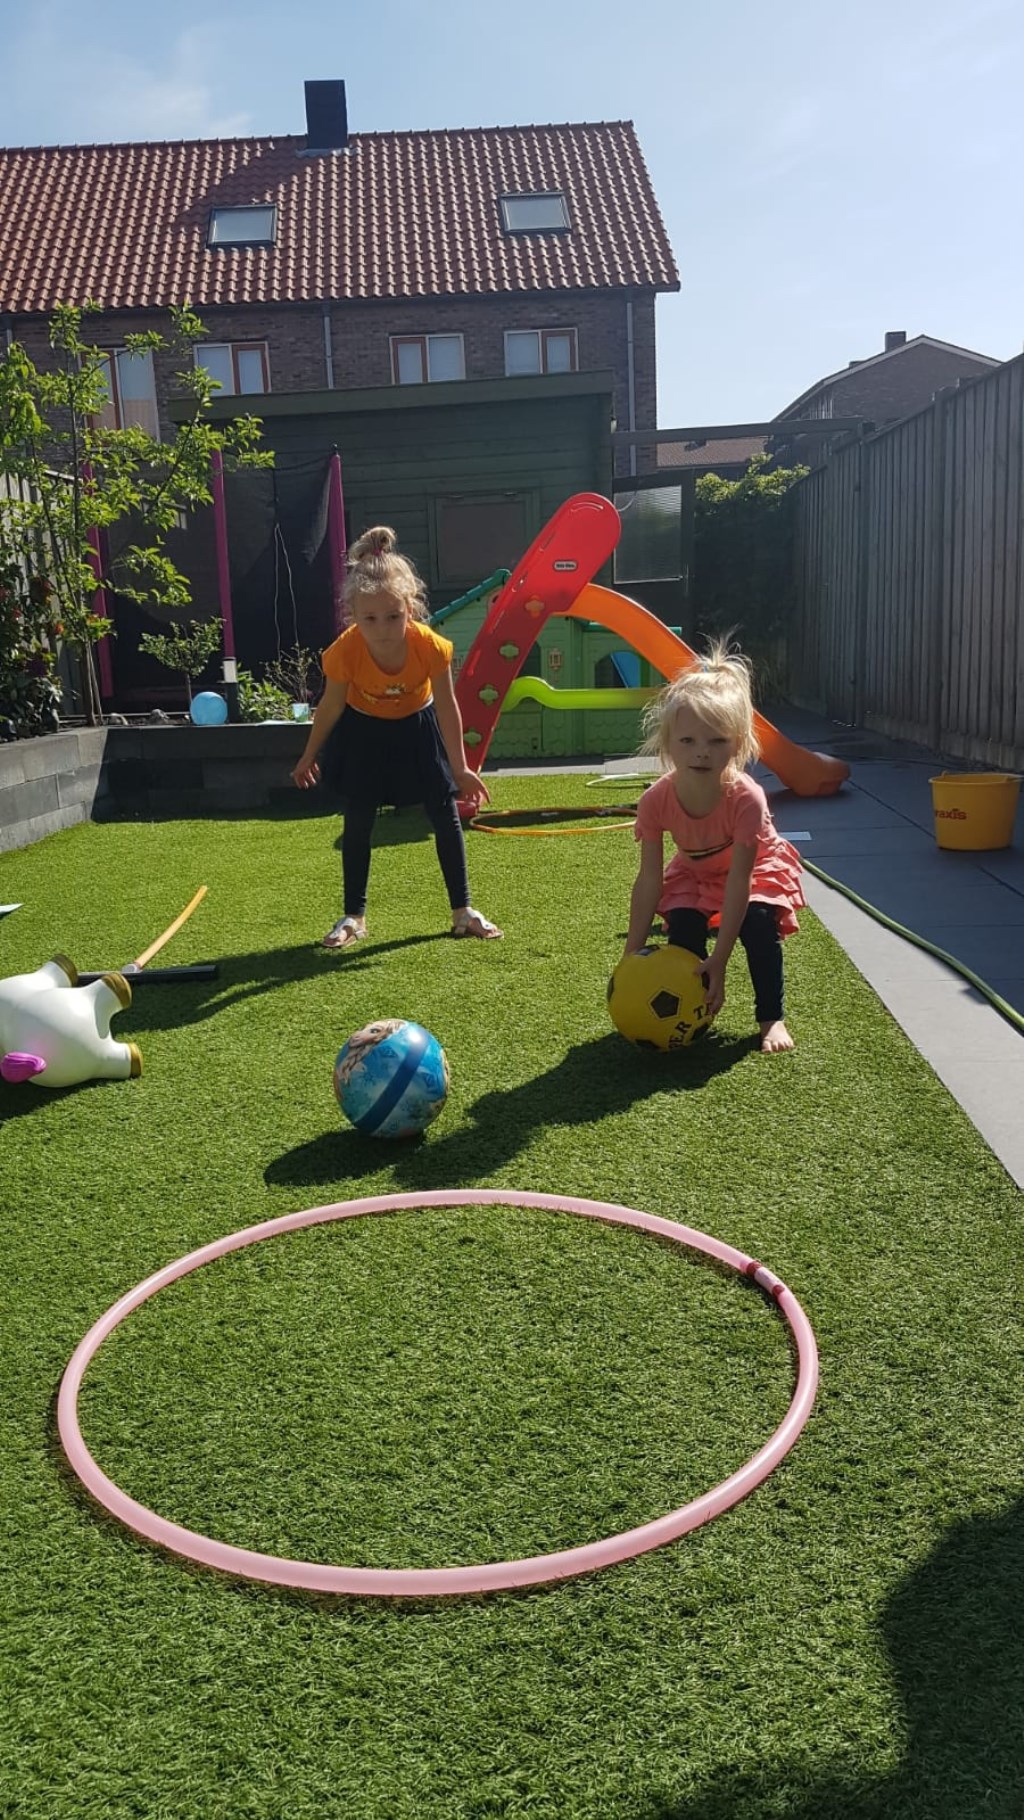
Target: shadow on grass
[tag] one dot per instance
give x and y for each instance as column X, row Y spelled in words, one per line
column 592, row 1081
column 396, row 828
column 15, row 1101
column 954, row 1631
column 242, row 977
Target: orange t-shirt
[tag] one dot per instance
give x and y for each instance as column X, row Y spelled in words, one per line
column 371, row 689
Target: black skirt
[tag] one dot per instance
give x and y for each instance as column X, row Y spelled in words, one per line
column 372, row 763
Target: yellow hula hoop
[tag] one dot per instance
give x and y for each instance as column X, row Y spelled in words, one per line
column 162, row 940
column 480, row 822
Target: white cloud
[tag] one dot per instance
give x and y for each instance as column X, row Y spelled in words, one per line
column 77, row 86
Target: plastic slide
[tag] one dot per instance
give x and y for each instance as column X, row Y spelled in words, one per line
column 627, row 663
column 805, row 773
column 555, row 576
column 568, row 552
column 533, row 688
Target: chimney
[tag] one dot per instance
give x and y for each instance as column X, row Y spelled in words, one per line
column 894, row 338
column 326, row 117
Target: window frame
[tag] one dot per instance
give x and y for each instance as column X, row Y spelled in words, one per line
column 241, row 208
column 542, row 334
column 555, row 227
column 236, row 348
column 423, row 341
column 442, row 494
column 111, row 356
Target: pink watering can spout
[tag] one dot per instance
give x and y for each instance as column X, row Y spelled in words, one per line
column 17, row 1066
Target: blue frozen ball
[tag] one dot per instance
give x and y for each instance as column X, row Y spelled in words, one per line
column 391, row 1078
column 209, row 709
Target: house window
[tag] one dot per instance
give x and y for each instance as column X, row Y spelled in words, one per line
column 243, row 227
column 534, row 214
column 237, row 366
column 131, row 392
column 540, row 351
column 416, row 359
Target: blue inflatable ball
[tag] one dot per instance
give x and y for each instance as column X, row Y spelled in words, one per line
column 391, row 1078
column 209, row 709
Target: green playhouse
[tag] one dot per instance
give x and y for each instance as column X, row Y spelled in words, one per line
column 546, row 715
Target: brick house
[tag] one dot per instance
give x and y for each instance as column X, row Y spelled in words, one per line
column 340, row 261
column 882, row 388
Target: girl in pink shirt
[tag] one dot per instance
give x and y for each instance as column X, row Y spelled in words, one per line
column 730, row 867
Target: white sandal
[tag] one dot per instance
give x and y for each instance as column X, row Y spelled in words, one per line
column 347, row 929
column 472, row 922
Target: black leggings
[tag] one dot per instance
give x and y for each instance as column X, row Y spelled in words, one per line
column 355, row 853
column 759, row 933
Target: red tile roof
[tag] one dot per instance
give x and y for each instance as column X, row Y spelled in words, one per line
column 393, row 215
column 728, row 451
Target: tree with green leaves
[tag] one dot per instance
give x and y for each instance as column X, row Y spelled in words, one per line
column 80, row 478
column 188, row 650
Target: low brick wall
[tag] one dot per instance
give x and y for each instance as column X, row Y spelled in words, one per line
column 153, row 772
column 123, row 773
column 49, row 784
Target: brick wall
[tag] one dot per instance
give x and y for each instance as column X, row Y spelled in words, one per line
column 360, row 340
column 881, row 393
column 902, row 384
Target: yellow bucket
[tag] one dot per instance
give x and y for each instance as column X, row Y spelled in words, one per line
column 974, row 810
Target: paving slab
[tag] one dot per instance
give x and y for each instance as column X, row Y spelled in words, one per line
column 876, row 836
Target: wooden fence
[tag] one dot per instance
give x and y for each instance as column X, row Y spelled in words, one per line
column 909, row 557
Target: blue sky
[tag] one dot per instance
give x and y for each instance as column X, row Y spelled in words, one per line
column 826, row 172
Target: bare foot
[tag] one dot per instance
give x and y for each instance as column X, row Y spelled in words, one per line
column 347, row 930
column 775, row 1037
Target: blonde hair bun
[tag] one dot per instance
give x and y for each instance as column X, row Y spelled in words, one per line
column 380, row 540
column 375, row 567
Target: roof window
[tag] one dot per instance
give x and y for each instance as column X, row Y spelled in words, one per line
column 534, row 214
column 256, row 226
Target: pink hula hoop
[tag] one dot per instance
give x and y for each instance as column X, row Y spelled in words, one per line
column 418, row 1583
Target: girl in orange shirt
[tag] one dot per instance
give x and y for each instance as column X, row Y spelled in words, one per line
column 731, row 864
column 387, row 730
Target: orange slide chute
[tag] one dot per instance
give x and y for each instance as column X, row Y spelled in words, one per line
column 804, row 772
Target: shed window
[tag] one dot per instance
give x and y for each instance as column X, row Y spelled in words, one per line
column 477, row 533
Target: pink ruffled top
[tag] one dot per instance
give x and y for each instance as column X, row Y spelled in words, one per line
column 695, row 878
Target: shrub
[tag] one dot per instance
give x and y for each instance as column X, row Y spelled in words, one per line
column 743, row 559
column 29, row 688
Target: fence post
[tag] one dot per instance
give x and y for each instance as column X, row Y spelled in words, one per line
column 936, row 568
column 858, row 693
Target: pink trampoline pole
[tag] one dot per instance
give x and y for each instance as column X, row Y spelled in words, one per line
column 336, row 541
column 220, row 520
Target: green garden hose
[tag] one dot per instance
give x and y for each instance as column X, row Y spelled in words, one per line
column 1011, row 1015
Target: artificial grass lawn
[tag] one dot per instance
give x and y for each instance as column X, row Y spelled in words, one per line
column 443, row 1386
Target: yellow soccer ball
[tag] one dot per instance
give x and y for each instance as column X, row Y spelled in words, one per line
column 656, row 998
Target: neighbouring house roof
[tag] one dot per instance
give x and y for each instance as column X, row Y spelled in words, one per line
column 393, row 215
column 796, row 409
column 726, row 451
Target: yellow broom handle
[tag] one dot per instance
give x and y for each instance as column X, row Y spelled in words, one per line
column 155, row 947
